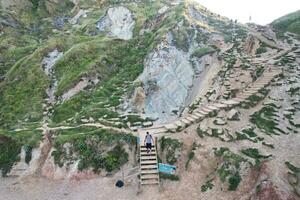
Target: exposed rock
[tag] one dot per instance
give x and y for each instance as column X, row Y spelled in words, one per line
column 20, row 168
column 118, row 22
column 82, row 84
column 269, row 33
column 48, row 64
column 81, row 13
column 138, row 99
column 59, row 22
column 163, row 10
column 70, row 171
column 251, row 44
column 194, row 13
column 233, row 114
column 167, row 78
column 8, row 21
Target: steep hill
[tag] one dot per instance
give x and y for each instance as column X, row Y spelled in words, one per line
column 289, row 22
column 81, row 80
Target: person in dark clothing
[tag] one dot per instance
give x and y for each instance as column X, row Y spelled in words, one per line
column 148, row 142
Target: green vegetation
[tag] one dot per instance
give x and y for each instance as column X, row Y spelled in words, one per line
column 234, row 181
column 229, row 168
column 28, row 153
column 90, row 146
column 293, row 91
column 35, row 4
column 170, row 148
column 261, row 50
column 201, row 132
column 292, row 167
column 180, row 38
column 171, row 177
column 258, row 72
column 268, row 145
column 254, row 153
column 9, row 154
column 247, row 134
column 115, row 62
column 263, row 119
column 128, row 67
column 288, row 23
column 208, row 185
column 10, row 147
column 191, row 155
column 203, row 51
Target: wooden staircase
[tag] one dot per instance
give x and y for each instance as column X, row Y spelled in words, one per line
column 148, row 166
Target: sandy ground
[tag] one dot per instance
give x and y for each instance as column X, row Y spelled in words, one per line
column 44, row 189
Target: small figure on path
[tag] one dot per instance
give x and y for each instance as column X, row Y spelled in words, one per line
column 148, row 141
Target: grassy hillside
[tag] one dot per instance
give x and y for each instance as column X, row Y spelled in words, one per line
column 87, row 52
column 288, row 23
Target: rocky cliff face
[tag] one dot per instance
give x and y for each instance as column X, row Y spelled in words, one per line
column 166, row 81
column 171, row 80
column 118, row 22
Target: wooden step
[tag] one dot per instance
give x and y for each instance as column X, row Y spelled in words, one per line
column 149, row 176
column 185, row 121
column 198, row 114
column 148, row 158
column 202, row 112
column 194, row 117
column 144, row 147
column 190, row 119
column 205, row 109
column 149, row 171
column 152, row 153
column 147, row 167
column 220, row 105
column 147, row 162
column 212, row 107
column 145, row 150
column 249, row 92
column 230, row 102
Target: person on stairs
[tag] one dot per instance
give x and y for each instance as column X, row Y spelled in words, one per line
column 148, row 142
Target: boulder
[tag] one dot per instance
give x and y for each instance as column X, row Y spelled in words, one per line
column 233, row 114
column 219, row 121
